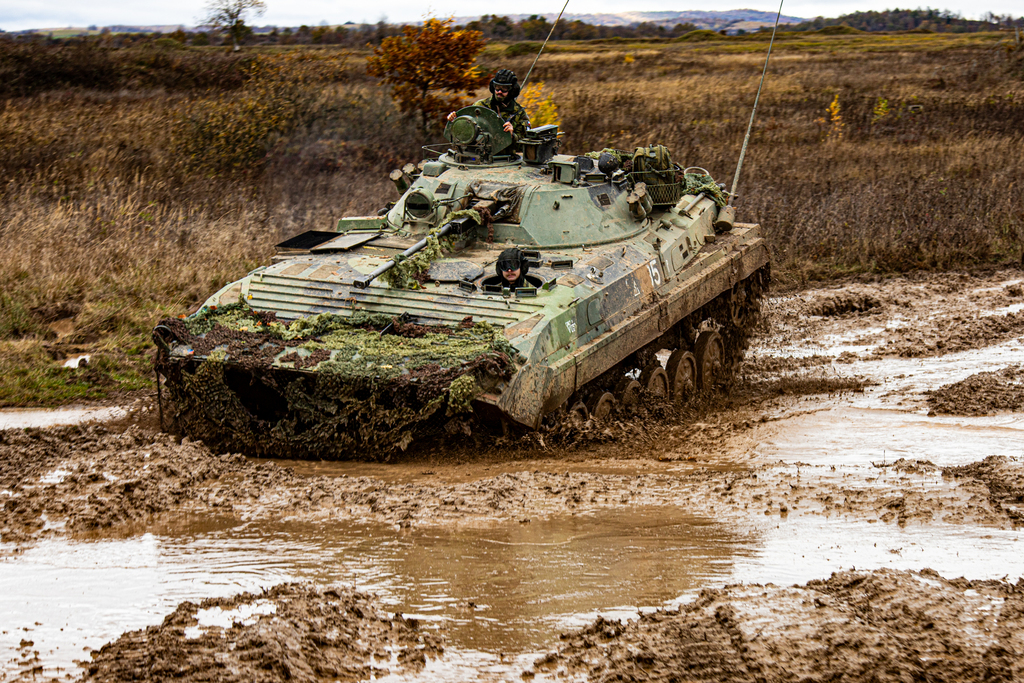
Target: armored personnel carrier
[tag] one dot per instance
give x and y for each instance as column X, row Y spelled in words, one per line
column 636, row 283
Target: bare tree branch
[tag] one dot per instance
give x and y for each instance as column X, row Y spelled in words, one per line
column 229, row 15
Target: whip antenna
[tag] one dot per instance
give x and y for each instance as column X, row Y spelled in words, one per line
column 746, row 138
column 523, row 84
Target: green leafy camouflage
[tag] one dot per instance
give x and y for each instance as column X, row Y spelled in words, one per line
column 371, row 389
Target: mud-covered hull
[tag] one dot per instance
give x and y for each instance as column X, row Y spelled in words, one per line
column 542, row 385
column 286, row 402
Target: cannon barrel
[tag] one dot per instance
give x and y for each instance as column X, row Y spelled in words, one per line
column 457, row 225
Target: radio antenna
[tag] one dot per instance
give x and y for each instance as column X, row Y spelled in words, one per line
column 523, row 84
column 746, row 138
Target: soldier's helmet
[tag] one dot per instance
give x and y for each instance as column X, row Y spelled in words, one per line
column 506, row 77
column 511, row 259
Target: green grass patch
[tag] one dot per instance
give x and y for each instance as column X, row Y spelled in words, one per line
column 30, row 377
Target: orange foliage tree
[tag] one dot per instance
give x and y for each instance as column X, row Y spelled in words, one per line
column 430, row 67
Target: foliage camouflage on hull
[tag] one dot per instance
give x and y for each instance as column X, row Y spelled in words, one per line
column 326, row 386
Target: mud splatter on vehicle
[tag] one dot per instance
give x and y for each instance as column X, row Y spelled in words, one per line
column 617, row 255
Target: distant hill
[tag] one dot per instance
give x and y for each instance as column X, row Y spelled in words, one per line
column 705, row 20
column 61, row 31
column 746, row 19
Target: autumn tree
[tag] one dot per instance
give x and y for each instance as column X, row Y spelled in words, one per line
column 229, row 15
column 430, row 67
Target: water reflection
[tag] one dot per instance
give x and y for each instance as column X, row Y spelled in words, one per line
column 508, row 589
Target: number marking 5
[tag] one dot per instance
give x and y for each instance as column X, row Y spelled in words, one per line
column 652, row 268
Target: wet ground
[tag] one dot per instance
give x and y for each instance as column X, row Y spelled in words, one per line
column 877, row 431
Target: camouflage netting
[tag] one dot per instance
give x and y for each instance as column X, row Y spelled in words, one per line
column 408, row 272
column 698, row 182
column 327, row 386
column 411, row 272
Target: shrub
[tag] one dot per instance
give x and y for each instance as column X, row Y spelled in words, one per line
column 27, row 68
column 429, row 68
column 519, row 49
column 232, row 131
column 541, row 109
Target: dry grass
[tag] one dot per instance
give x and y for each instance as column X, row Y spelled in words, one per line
column 106, row 230
column 107, row 226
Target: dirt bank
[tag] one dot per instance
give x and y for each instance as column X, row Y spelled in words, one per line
column 288, row 633
column 981, row 394
column 913, row 316
column 882, row 625
column 88, row 481
column 855, row 626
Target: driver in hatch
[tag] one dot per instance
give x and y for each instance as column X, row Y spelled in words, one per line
column 512, row 269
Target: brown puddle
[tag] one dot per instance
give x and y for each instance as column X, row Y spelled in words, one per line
column 501, row 594
column 502, row 590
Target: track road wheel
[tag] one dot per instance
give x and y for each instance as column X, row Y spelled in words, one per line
column 710, row 353
column 628, row 392
column 737, row 305
column 654, row 379
column 682, row 375
column 601, row 405
column 578, row 414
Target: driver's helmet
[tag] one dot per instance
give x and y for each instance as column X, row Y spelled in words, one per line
column 511, row 259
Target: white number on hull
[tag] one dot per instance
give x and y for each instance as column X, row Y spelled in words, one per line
column 652, row 268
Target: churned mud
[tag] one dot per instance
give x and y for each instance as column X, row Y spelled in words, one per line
column 910, row 317
column 854, row 626
column 290, row 632
column 83, row 481
column 884, row 414
column 982, row 394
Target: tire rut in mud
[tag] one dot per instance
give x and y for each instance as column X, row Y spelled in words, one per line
column 875, row 626
column 981, row 394
column 292, row 632
column 1005, row 481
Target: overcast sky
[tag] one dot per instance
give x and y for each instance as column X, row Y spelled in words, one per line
column 16, row 15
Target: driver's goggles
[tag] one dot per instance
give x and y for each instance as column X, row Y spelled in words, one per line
column 501, row 88
column 508, row 265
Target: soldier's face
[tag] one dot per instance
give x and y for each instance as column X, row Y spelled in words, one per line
column 511, row 275
column 501, row 92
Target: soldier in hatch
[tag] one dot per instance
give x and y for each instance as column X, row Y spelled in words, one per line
column 504, row 90
column 512, row 267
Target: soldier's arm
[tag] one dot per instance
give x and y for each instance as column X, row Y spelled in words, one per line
column 521, row 122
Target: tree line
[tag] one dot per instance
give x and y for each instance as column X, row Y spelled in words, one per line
column 533, row 28
column 938, row 21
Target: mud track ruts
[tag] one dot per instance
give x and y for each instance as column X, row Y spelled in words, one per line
column 307, row 635
column 878, row 626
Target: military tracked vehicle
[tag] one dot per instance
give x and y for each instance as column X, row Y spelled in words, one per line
column 355, row 341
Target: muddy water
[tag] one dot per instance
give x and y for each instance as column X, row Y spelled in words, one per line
column 504, row 590
column 502, row 595
column 19, row 418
